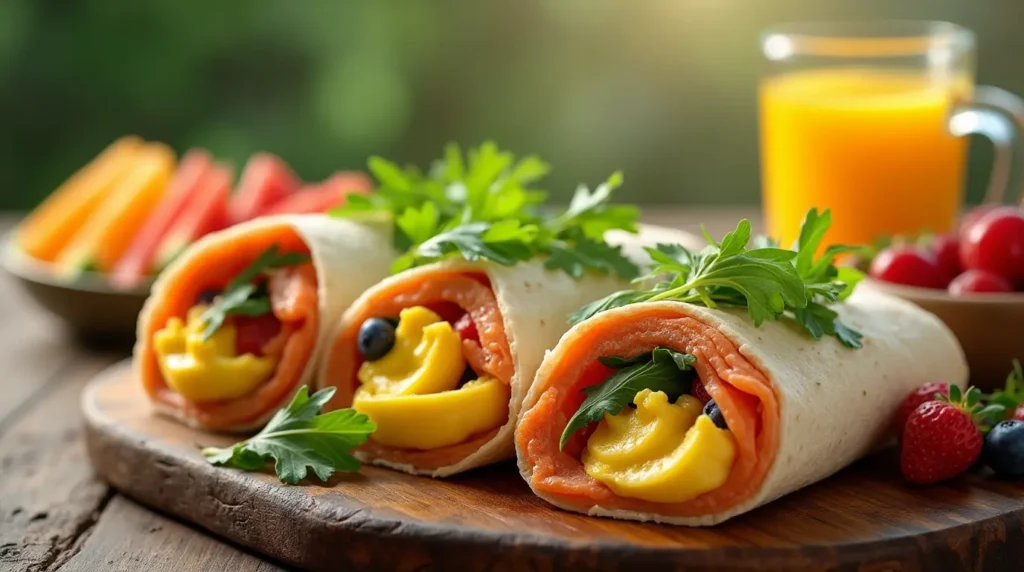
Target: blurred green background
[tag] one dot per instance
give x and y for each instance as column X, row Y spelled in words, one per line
column 662, row 89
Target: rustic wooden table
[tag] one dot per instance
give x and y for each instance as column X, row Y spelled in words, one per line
column 55, row 514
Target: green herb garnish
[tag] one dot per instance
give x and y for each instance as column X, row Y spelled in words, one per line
column 486, row 185
column 572, row 241
column 663, row 369
column 298, row 439
column 770, row 282
column 1012, row 395
column 481, row 207
column 243, row 296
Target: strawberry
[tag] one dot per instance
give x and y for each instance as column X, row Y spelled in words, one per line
column 926, row 392
column 1018, row 414
column 699, row 392
column 943, row 437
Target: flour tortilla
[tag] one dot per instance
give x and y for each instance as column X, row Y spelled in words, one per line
column 535, row 304
column 835, row 403
column 348, row 257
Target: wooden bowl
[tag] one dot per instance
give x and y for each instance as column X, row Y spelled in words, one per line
column 92, row 309
column 987, row 325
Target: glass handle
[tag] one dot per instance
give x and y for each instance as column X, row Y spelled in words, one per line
column 998, row 115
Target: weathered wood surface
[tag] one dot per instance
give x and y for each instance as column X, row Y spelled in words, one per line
column 489, row 519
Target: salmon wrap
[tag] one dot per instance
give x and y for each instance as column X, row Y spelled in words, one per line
column 440, row 357
column 234, row 326
column 788, row 410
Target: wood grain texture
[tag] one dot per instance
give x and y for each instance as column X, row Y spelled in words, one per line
column 129, row 537
column 865, row 518
column 50, row 496
column 32, row 345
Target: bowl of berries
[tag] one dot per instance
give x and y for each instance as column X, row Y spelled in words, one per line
column 973, row 280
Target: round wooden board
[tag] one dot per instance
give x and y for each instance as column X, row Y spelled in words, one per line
column 864, row 518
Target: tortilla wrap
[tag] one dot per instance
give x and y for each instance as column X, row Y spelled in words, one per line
column 347, row 258
column 800, row 409
column 530, row 312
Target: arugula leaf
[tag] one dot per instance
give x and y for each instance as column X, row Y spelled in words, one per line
column 298, row 439
column 474, row 241
column 242, row 296
column 568, row 240
column 664, row 369
column 479, row 206
column 770, row 282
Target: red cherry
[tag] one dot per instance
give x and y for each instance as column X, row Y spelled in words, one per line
column 995, row 242
column 973, row 216
column 906, row 264
column 466, row 328
column 978, row 281
column 947, row 255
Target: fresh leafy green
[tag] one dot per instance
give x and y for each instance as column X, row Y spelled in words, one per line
column 485, row 185
column 299, row 439
column 769, row 281
column 572, row 241
column 1012, row 395
column 481, row 207
column 663, row 369
column 242, row 296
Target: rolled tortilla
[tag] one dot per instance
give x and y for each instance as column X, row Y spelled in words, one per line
column 346, row 259
column 519, row 311
column 799, row 409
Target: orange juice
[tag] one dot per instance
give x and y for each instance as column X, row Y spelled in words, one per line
column 869, row 143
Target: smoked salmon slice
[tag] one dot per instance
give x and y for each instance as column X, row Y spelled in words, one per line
column 744, row 394
column 294, row 302
column 469, row 291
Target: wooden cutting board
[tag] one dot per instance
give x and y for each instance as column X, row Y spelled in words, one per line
column 864, row 518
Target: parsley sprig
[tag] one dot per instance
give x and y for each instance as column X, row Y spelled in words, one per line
column 770, row 282
column 483, row 207
column 299, row 439
column 663, row 369
column 245, row 295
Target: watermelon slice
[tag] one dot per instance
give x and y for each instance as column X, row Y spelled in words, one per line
column 266, row 180
column 137, row 261
column 103, row 239
column 321, row 197
column 207, row 212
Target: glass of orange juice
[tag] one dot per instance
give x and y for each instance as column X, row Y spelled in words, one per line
column 869, row 120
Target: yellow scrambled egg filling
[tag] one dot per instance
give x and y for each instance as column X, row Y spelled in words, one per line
column 207, row 370
column 413, row 396
column 660, row 451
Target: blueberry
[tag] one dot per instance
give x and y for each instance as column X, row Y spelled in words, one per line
column 376, row 338
column 711, row 410
column 1004, row 449
column 207, row 296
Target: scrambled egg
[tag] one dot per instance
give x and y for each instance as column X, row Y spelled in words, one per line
column 413, row 396
column 660, row 451
column 207, row 370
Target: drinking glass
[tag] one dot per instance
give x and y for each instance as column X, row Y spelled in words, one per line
column 869, row 120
